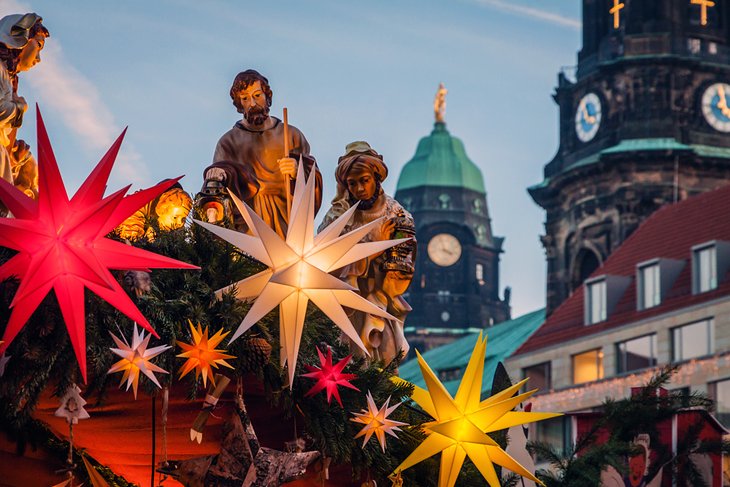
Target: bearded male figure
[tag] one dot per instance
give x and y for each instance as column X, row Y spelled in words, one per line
column 384, row 277
column 250, row 160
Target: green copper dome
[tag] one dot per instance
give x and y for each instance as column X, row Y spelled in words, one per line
column 441, row 160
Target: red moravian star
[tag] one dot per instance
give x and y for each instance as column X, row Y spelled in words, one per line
column 329, row 376
column 62, row 247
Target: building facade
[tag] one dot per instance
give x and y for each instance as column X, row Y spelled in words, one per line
column 643, row 122
column 662, row 298
column 456, row 285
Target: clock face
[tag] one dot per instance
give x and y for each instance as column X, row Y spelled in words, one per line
column 444, row 249
column 588, row 117
column 715, row 101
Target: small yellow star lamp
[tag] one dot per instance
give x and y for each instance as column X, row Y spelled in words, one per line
column 202, row 355
column 462, row 423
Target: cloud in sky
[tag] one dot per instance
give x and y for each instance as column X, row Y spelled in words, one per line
column 532, row 13
column 78, row 102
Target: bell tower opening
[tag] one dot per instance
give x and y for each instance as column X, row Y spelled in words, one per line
column 585, row 263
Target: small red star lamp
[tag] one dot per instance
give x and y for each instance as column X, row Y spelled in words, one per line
column 329, row 377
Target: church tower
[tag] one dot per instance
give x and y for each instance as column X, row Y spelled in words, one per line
column 456, row 284
column 644, row 121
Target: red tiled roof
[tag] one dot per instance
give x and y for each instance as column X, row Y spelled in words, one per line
column 669, row 233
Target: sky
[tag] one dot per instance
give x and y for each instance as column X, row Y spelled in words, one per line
column 346, row 70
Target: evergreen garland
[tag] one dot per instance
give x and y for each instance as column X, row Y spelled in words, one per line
column 43, row 359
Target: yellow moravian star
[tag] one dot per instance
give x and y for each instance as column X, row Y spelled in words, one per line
column 462, row 423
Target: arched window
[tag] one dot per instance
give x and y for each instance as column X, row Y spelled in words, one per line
column 585, row 263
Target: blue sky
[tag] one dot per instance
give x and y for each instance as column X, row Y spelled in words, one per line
column 346, row 70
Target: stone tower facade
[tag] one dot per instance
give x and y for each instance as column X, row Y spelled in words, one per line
column 643, row 123
column 456, row 285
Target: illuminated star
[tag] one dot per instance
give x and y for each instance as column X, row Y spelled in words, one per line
column 136, row 358
column 376, row 421
column 202, row 354
column 329, row 376
column 62, row 247
column 462, row 423
column 299, row 267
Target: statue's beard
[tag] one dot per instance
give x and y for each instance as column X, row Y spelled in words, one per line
column 368, row 203
column 256, row 115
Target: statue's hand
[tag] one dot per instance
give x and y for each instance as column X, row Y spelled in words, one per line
column 288, row 166
column 386, row 229
column 215, row 173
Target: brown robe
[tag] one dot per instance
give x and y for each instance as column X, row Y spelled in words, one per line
column 252, row 153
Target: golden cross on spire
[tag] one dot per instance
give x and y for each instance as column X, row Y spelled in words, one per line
column 616, row 12
column 703, row 9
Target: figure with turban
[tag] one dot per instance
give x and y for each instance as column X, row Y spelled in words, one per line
column 22, row 37
column 384, row 277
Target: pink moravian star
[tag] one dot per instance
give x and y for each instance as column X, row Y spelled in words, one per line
column 62, row 247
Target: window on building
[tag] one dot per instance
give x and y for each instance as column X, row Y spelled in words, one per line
column 479, row 273
column 637, row 353
column 596, row 302
column 539, row 376
column 704, row 265
column 588, row 366
column 693, row 340
column 444, row 201
column 720, row 392
column 649, row 286
column 555, row 432
column 694, row 45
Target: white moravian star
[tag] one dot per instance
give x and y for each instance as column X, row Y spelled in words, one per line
column 299, row 267
column 136, row 358
column 376, row 420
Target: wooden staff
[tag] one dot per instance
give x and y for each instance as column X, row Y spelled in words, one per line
column 286, row 154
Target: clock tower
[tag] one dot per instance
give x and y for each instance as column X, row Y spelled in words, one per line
column 456, row 285
column 644, row 121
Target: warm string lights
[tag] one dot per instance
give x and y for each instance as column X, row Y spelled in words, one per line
column 699, row 370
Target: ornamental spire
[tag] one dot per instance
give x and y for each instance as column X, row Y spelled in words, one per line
column 439, row 104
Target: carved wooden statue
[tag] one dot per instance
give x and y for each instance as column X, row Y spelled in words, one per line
column 383, row 278
column 253, row 160
column 22, row 37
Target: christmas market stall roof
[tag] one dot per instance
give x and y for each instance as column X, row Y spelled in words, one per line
column 669, row 233
column 449, row 361
column 441, row 160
